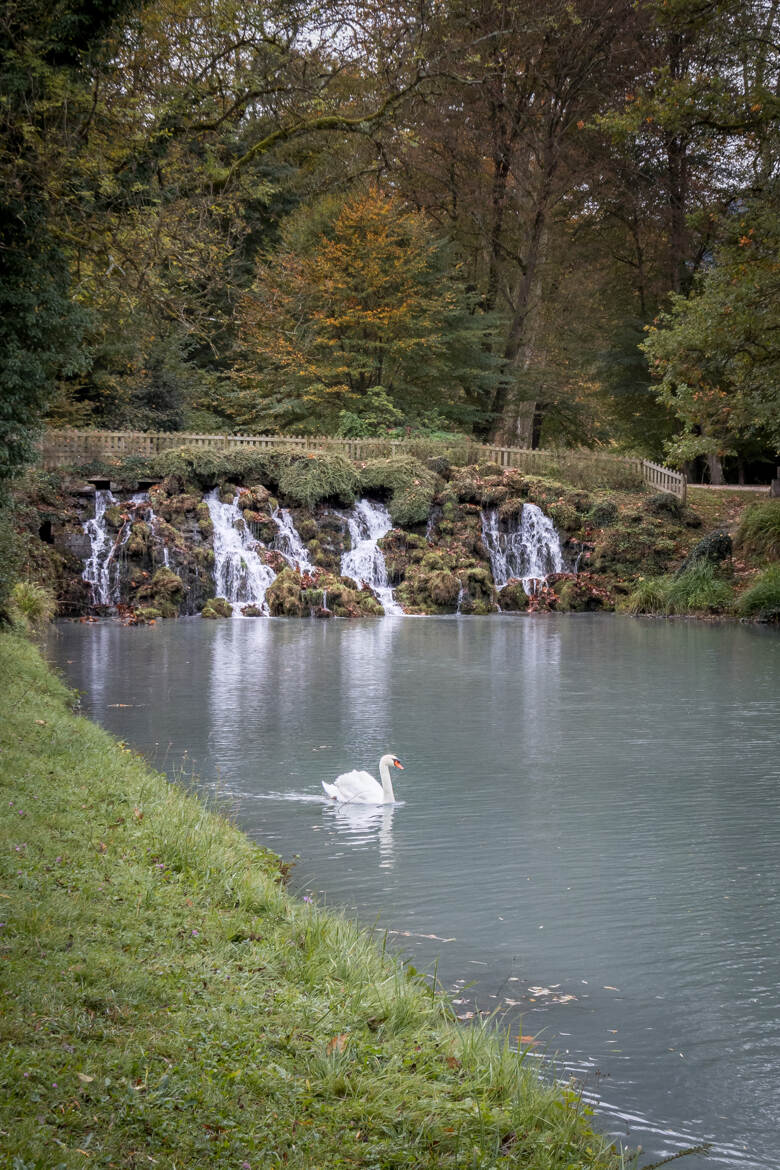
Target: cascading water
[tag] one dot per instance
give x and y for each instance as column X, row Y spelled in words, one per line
column 288, row 542
column 97, row 570
column 364, row 563
column 529, row 552
column 241, row 576
column 102, row 570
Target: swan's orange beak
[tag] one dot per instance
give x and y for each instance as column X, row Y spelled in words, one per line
column 398, row 764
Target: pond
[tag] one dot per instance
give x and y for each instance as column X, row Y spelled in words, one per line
column 586, row 839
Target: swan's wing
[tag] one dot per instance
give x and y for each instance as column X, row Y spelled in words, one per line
column 331, row 790
column 360, row 787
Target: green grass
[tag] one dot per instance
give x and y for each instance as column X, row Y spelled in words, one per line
column 762, row 598
column 758, row 535
column 167, row 1003
column 700, row 590
column 32, row 606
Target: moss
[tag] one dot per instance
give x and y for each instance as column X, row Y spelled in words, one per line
column 165, row 592
column 634, row 543
column 283, row 596
column 664, row 504
column 513, row 597
column 114, row 517
column 603, row 514
column 205, row 526
column 409, row 485
column 147, row 613
column 216, row 607
column 251, row 611
column 564, row 516
column 310, row 480
column 581, row 594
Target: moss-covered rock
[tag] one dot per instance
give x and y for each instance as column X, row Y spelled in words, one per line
column 251, row 611
column 513, row 597
column 283, row 596
column 145, row 614
column 603, row 513
column 664, row 504
column 216, row 607
column 138, row 543
column 581, row 594
column 407, row 483
column 165, row 592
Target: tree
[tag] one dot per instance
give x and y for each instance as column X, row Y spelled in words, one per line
column 717, row 353
column 43, row 50
column 360, row 296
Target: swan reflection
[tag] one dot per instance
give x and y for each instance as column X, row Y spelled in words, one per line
column 363, row 823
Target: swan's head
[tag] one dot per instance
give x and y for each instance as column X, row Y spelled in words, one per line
column 392, row 762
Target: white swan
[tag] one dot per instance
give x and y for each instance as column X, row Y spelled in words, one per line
column 362, row 788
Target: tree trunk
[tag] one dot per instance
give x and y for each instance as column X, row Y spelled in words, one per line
column 716, row 469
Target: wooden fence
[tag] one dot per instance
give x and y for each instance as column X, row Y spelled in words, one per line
column 62, row 448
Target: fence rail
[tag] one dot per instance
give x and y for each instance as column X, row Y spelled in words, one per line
column 61, row 448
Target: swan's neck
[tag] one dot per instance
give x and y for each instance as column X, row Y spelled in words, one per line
column 387, row 784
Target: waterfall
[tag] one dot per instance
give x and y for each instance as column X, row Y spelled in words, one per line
column 97, row 570
column 101, row 570
column 364, row 562
column 529, row 552
column 241, row 576
column 288, row 542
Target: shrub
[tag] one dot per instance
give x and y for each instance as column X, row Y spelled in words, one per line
column 32, row 606
column 699, row 590
column 664, row 504
column 10, row 559
column 759, row 531
column 311, row 479
column 762, row 599
column 713, row 548
column 603, row 513
column 410, row 485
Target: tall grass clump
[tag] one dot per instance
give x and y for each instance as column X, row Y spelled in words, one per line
column 699, row 589
column 32, row 606
column 649, row 596
column 762, row 599
column 758, row 534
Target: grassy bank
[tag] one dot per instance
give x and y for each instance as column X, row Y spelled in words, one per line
column 167, row 1003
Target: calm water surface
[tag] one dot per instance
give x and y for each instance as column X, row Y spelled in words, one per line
column 588, row 839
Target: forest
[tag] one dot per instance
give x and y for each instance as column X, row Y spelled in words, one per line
column 545, row 224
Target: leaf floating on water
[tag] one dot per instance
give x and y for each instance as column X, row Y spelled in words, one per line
column 528, row 1040
column 608, row 988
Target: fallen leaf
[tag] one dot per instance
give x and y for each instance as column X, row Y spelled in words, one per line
column 338, row 1043
column 85, row 1078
